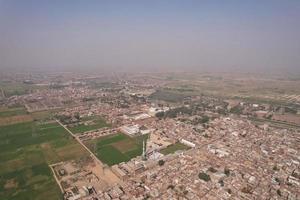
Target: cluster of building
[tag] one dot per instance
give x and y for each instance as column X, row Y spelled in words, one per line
column 83, row 179
column 238, row 161
column 94, row 134
column 228, row 156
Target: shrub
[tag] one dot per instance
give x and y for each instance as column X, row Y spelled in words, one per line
column 278, row 192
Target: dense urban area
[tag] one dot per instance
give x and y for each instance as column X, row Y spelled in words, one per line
column 136, row 136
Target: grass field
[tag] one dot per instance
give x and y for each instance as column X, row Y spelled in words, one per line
column 26, row 151
column 117, row 148
column 95, row 123
column 173, row 148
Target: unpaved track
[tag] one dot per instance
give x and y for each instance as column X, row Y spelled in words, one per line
column 104, row 172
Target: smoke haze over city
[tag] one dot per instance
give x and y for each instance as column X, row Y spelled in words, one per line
column 149, row 100
column 150, row 35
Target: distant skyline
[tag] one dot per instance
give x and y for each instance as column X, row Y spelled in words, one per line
column 168, row 35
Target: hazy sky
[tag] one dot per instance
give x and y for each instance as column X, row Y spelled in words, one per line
column 148, row 35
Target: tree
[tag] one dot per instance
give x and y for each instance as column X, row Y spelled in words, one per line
column 275, row 168
column 236, row 110
column 203, row 176
column 160, row 115
column 204, row 119
column 221, row 182
column 226, row 171
column 212, row 170
column 77, row 116
column 171, row 187
column 185, row 192
column 247, row 190
column 161, row 162
column 278, row 192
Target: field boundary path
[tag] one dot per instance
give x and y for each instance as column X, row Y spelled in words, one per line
column 80, row 142
column 105, row 172
column 56, row 179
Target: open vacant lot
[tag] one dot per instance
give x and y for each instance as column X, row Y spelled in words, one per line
column 173, row 148
column 26, row 151
column 117, row 148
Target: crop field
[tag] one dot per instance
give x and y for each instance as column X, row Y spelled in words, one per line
column 15, row 119
column 26, row 151
column 17, row 88
column 169, row 95
column 43, row 115
column 253, row 87
column 17, row 115
column 117, row 148
column 173, row 148
column 88, row 125
column 7, row 112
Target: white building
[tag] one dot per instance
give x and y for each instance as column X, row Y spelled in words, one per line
column 153, row 111
column 130, row 130
column 187, row 143
column 142, row 116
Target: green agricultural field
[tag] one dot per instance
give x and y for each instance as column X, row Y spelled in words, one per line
column 110, row 155
column 17, row 88
column 44, row 115
column 94, row 123
column 173, row 148
column 26, row 150
column 117, row 148
column 168, row 95
column 8, row 112
column 17, row 115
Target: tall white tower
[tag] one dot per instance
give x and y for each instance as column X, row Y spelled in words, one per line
column 144, row 150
